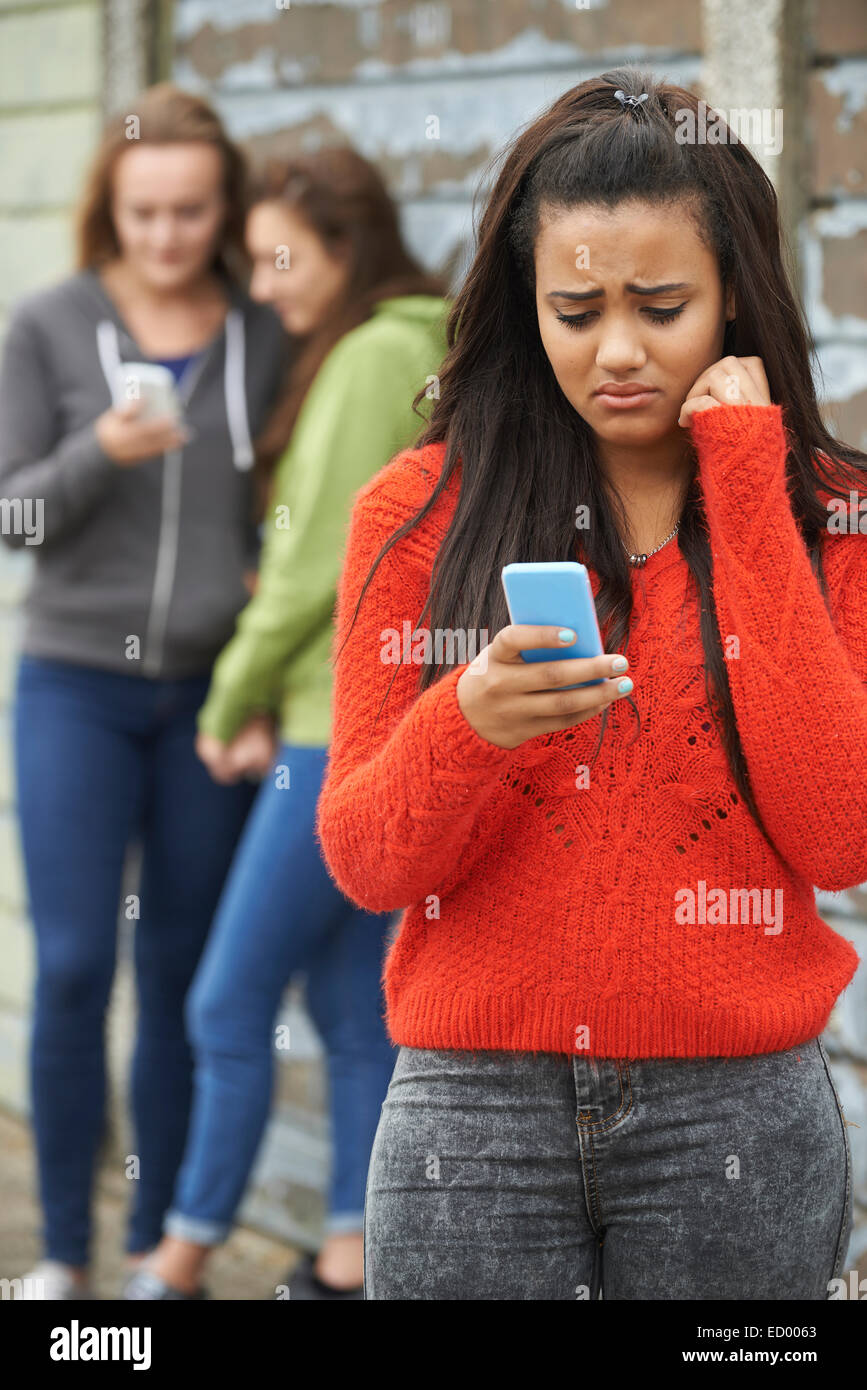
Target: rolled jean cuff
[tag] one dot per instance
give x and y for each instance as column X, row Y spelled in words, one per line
column 198, row 1232
column 340, row 1223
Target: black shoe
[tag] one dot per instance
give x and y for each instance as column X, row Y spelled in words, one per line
column 304, row 1283
column 147, row 1285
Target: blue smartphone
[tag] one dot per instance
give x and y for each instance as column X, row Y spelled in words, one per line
column 558, row 593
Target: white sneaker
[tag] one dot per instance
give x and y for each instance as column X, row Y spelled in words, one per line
column 50, row 1279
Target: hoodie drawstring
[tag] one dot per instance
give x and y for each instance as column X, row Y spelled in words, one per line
column 234, row 381
column 235, row 388
column 109, row 357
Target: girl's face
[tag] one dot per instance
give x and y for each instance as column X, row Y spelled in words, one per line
column 595, row 266
column 293, row 269
column 168, row 209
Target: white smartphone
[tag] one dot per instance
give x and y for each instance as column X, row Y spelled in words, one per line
column 151, row 384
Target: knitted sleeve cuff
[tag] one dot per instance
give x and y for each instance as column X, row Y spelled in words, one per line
column 456, row 745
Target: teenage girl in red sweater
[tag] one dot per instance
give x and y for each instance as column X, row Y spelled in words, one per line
column 610, row 978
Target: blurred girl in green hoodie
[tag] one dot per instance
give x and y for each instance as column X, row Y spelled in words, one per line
column 328, row 255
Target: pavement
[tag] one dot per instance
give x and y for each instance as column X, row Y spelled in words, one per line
column 248, row 1266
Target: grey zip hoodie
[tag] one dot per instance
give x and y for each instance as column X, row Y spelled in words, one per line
column 155, row 551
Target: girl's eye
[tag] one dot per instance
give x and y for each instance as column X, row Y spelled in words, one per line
column 579, row 321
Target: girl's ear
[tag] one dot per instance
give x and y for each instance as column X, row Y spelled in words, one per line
column 731, row 307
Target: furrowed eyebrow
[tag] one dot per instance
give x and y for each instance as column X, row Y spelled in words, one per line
column 576, row 298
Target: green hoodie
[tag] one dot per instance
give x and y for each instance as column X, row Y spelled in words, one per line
column 355, row 417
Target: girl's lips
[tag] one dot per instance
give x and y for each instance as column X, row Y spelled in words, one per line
column 626, row 402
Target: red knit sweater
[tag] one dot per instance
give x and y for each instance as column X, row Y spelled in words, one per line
column 543, row 914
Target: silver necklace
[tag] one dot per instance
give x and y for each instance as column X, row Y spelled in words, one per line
column 639, row 560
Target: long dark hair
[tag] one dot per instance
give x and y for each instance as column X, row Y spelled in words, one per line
column 343, row 198
column 526, row 455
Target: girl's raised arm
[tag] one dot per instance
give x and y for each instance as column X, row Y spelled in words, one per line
column 798, row 680
column 400, row 796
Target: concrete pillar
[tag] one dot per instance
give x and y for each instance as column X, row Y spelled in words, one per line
column 755, row 57
column 130, row 48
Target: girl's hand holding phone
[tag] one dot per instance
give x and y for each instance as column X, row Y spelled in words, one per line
column 508, row 700
column 128, row 440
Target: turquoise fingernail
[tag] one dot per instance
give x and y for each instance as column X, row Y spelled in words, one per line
column 624, row 686
column 619, row 663
column 566, row 634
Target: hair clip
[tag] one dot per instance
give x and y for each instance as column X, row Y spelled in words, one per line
column 629, row 100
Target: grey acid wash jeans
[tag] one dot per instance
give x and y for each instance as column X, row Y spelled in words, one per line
column 533, row 1175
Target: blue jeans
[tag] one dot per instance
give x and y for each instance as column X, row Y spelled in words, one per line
column 281, row 913
column 519, row 1175
column 103, row 758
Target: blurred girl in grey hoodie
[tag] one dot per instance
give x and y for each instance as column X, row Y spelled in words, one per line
column 142, row 533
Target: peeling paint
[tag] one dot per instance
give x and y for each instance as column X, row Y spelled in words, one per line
column 471, row 113
column 191, row 15
column 847, row 80
column 475, row 117
column 260, row 71
column 839, row 373
column 431, row 38
column 844, row 220
column 530, row 49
